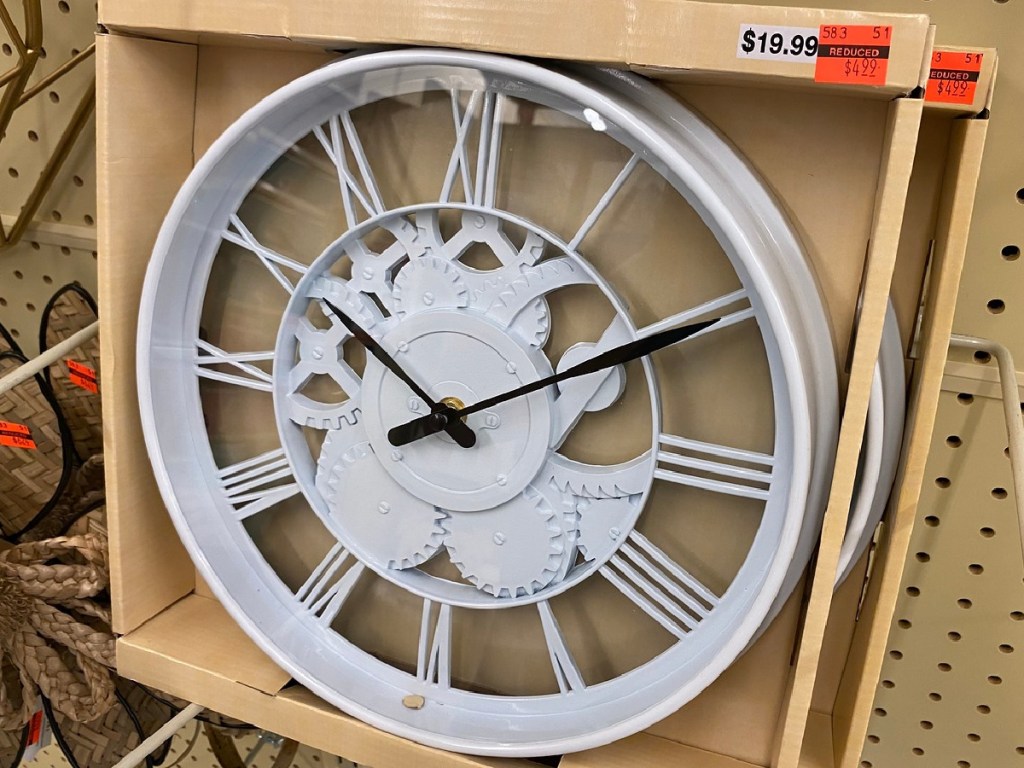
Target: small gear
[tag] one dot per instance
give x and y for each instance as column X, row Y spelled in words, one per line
column 512, row 550
column 429, row 282
column 337, row 443
column 532, row 324
column 604, row 524
column 376, row 515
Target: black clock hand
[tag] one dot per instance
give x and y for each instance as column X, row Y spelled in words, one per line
column 432, row 423
column 454, row 426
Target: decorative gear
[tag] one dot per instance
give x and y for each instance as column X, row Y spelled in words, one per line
column 520, row 304
column 332, row 453
column 600, row 481
column 511, row 550
column 604, row 524
column 376, row 515
column 429, row 282
column 373, row 272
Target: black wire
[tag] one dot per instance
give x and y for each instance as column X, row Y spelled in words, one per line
column 58, row 734
column 137, row 725
column 44, row 324
column 175, row 709
column 23, row 742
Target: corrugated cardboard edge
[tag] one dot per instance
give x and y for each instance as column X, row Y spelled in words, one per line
column 857, row 691
column 139, row 527
column 894, row 181
column 652, row 34
column 647, row 751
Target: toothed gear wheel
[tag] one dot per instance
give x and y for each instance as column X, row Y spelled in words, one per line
column 429, row 282
column 375, row 514
column 511, row 550
column 603, row 524
column 337, row 443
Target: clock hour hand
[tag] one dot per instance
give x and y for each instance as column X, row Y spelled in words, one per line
column 459, row 431
column 432, row 423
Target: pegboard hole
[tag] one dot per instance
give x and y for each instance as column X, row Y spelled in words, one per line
column 965, row 398
column 30, row 306
column 927, row 725
column 33, row 136
column 996, row 306
column 954, row 636
column 47, row 279
column 995, row 680
column 1017, row 615
column 923, row 557
column 999, row 493
column 896, row 655
column 981, row 356
column 13, row 172
column 54, row 97
column 56, row 215
column 904, row 624
column 888, row 684
column 873, row 739
column 35, row 246
column 976, row 568
column 913, row 591
column 987, row 532
column 962, row 764
column 943, row 482
column 63, row 7
column 944, row 666
column 3, row 301
column 65, row 251
column 954, row 441
column 917, row 751
column 18, row 274
column 77, row 181
column 1011, row 252
column 932, row 521
column 964, row 603
column 1020, row 750
column 17, row 334
column 880, row 712
column 865, row 764
column 935, row 696
column 1020, row 196
column 88, row 219
column 973, row 737
column 7, row 49
column 984, row 709
column 1006, row 648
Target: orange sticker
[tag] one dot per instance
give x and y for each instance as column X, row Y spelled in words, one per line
column 83, row 376
column 35, row 729
column 16, row 435
column 852, row 54
column 953, row 78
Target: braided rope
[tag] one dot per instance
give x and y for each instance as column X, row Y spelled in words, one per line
column 44, row 586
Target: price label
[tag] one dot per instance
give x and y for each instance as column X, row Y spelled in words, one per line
column 953, row 78
column 853, row 54
column 797, row 44
column 38, row 736
column 82, row 376
column 16, row 435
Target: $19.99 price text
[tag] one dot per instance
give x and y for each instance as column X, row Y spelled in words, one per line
column 797, row 44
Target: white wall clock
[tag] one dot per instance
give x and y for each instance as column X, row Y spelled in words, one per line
column 346, row 301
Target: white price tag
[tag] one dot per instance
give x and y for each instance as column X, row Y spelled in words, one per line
column 796, row 44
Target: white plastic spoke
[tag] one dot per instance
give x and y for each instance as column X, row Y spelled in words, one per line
column 659, row 586
column 600, row 481
column 483, row 190
column 705, row 311
column 562, row 663
column 488, row 151
column 433, row 661
column 754, row 482
column 459, row 161
column 367, row 194
column 254, row 378
column 324, row 592
column 272, row 260
column 575, row 394
column 604, row 202
column 253, row 485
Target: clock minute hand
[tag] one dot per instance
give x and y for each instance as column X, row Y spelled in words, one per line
column 458, row 429
column 432, row 423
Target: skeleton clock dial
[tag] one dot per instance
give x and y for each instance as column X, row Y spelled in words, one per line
column 490, row 412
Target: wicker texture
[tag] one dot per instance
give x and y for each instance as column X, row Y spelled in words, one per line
column 85, row 492
column 69, row 312
column 29, row 479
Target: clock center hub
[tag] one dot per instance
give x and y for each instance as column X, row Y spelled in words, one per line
column 460, row 357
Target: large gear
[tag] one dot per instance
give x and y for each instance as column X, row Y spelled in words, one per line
column 376, row 515
column 514, row 549
column 429, row 282
column 336, row 444
column 603, row 523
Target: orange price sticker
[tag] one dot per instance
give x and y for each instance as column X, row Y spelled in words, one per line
column 82, row 376
column 16, row 435
column 953, row 78
column 852, row 54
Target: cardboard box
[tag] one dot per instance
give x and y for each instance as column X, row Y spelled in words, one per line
column 172, row 76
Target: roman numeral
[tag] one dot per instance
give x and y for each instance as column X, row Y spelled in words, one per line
column 562, row 663
column 659, row 586
column 254, row 378
column 744, row 481
column 705, row 311
column 482, row 191
column 272, row 260
column 341, row 130
column 433, row 661
column 604, row 202
column 253, row 485
column 324, row 592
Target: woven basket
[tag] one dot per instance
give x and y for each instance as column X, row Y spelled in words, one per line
column 68, row 311
column 31, row 480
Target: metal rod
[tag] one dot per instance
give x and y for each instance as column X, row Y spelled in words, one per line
column 58, row 73
column 1011, row 409
column 50, row 356
column 165, row 732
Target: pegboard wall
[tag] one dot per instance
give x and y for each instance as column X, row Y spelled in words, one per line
column 60, row 246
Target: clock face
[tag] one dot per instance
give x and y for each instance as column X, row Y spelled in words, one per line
column 609, row 543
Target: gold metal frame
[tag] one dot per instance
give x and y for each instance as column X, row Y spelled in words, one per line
column 14, row 82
